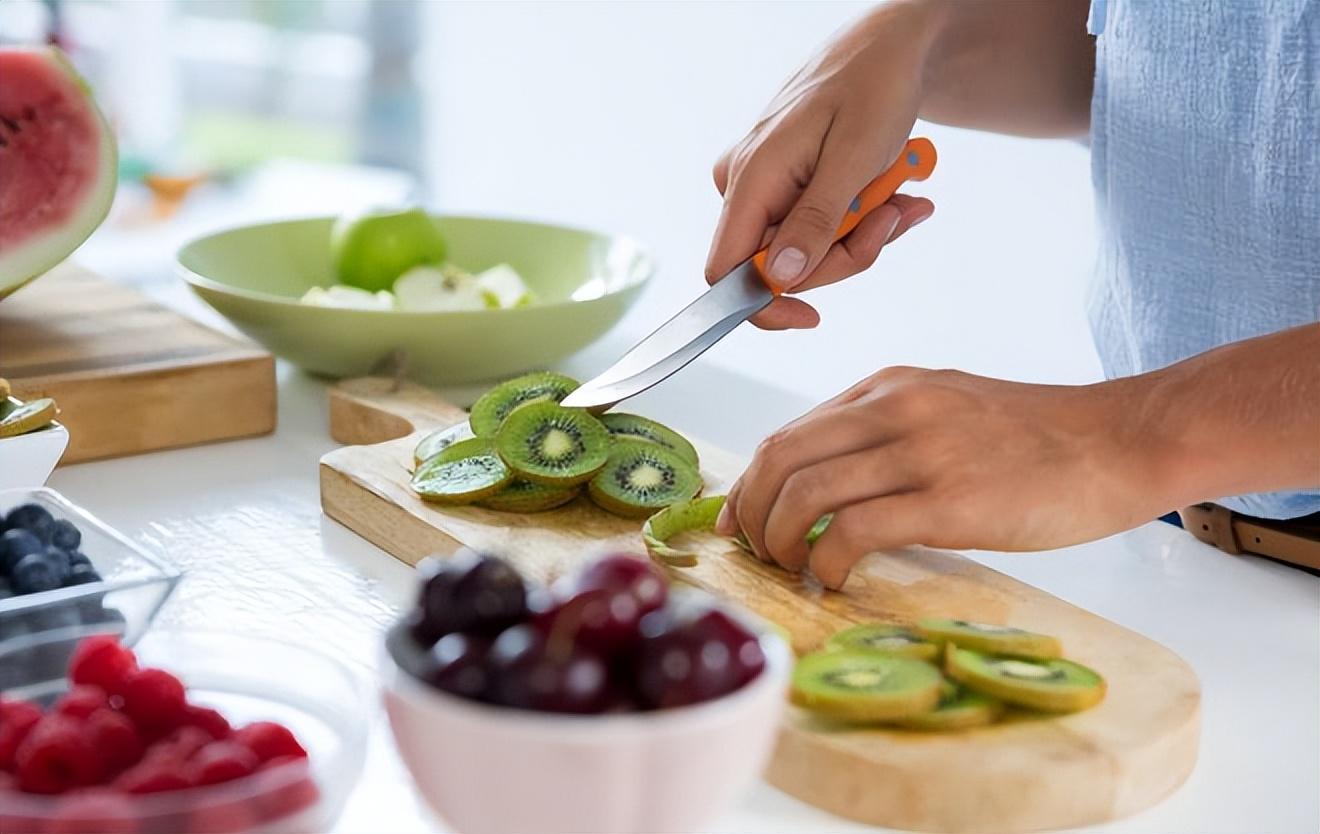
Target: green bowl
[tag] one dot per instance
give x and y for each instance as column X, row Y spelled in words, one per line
column 254, row 276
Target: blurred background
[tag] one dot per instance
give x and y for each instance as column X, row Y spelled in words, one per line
column 602, row 115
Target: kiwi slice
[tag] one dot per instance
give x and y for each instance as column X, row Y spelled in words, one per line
column 489, row 412
column 439, row 440
column 698, row 514
column 28, row 417
column 877, row 638
column 642, row 477
column 1050, row 685
column 991, row 639
column 467, row 471
column 865, row 688
column 548, row 444
column 633, row 426
column 958, row 709
column 519, row 496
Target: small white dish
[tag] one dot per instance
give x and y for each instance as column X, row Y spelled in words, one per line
column 28, row 459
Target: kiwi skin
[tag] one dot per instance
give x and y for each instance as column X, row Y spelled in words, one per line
column 464, row 449
column 598, row 490
column 923, row 695
column 1012, row 642
column 633, row 426
column 965, row 667
column 439, row 440
column 512, row 436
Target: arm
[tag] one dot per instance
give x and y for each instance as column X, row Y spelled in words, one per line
column 947, row 459
column 1021, row 66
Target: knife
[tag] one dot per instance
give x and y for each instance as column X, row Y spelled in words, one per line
column 730, row 301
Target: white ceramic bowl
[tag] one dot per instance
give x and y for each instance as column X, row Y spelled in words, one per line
column 28, row 459
column 490, row 769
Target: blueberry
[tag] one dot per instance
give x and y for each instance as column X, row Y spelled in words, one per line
column 34, row 573
column 65, row 536
column 31, row 517
column 59, row 559
column 82, row 575
column 14, row 545
column 77, row 557
column 5, row 591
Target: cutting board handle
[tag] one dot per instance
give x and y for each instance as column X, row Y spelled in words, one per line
column 375, row 409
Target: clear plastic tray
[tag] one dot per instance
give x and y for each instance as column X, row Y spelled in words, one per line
column 134, row 586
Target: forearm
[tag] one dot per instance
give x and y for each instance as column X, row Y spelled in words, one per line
column 1238, row 419
column 1022, row 67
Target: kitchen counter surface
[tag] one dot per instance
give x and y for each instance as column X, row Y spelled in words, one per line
column 244, row 520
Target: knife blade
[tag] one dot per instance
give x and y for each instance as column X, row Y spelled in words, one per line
column 736, row 297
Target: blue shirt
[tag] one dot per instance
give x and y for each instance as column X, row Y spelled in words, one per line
column 1205, row 143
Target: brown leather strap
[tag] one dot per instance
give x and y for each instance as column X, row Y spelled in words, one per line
column 1295, row 543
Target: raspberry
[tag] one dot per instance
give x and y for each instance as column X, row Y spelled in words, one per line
column 56, row 756
column 270, row 741
column 207, row 719
column 222, row 761
column 81, row 701
column 114, row 738
column 154, row 699
column 101, row 661
column 17, row 718
column 152, row 776
column 179, row 746
column 98, row 809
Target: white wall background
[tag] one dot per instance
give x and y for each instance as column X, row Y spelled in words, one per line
column 610, row 115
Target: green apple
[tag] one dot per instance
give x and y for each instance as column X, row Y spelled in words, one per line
column 373, row 248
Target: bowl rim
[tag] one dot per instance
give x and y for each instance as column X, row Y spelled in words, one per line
column 353, row 738
column 779, row 662
column 645, row 272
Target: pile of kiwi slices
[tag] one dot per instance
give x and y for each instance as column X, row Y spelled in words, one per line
column 941, row 674
column 521, row 451
column 24, row 417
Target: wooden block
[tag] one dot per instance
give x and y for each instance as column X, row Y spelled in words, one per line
column 1026, row 774
column 130, row 375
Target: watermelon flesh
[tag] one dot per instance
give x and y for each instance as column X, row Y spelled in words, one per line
column 58, row 163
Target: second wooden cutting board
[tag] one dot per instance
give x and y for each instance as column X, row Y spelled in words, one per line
column 1025, row 775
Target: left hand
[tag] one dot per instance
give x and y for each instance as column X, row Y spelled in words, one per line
column 947, row 459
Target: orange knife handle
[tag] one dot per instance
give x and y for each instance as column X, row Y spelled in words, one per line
column 915, row 162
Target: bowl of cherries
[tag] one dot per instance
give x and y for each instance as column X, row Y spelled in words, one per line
column 604, row 702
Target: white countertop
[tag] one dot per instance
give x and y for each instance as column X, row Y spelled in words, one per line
column 244, row 520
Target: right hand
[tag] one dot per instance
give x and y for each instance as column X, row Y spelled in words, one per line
column 838, row 123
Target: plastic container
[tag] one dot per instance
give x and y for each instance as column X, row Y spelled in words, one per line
column 28, row 459
column 491, row 769
column 247, row 679
column 134, row 586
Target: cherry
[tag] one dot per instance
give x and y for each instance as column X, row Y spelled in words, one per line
column 621, row 572
column 457, row 664
column 684, row 661
column 469, row 593
column 599, row 619
column 529, row 671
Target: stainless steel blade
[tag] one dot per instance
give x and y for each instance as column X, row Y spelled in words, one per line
column 731, row 301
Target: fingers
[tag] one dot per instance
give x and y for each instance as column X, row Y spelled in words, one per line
column 876, row 524
column 823, row 488
column 786, row 313
column 858, row 250
column 795, row 447
column 755, row 197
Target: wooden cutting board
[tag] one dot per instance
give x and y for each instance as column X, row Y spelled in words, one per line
column 1126, row 754
column 130, row 375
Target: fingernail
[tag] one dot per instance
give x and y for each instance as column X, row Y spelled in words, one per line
column 921, row 218
column 787, row 266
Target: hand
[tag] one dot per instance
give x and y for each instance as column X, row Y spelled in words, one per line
column 836, row 125
column 947, row 459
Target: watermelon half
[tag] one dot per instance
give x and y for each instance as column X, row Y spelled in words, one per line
column 58, row 163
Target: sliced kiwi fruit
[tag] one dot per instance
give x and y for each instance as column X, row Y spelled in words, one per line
column 642, row 477
column 465, row 472
column 548, row 444
column 865, row 688
column 1048, row 685
column 641, row 428
column 688, row 516
column 28, row 417
column 439, row 440
column 490, row 411
column 959, row 709
column 520, row 496
column 879, row 638
column 989, row 638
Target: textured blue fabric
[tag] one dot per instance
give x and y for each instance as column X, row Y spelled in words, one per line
column 1205, row 142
